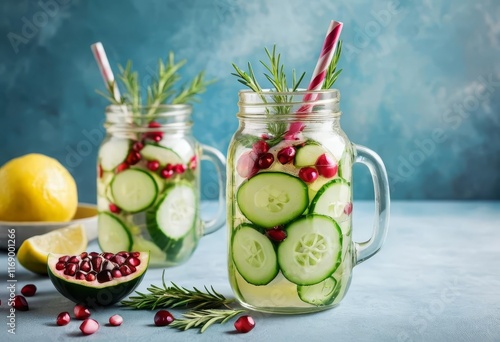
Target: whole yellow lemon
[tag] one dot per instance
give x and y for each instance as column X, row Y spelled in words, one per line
column 35, row 187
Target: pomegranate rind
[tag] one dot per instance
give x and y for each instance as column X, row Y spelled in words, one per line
column 93, row 293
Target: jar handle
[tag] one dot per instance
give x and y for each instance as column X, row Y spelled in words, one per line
column 217, row 158
column 366, row 249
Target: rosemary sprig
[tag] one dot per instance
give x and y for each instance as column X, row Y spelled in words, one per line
column 332, row 73
column 176, row 296
column 197, row 86
column 204, row 318
column 130, row 80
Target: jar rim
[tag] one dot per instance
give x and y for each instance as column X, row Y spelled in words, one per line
column 162, row 110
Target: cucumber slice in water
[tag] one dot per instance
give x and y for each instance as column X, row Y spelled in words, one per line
column 164, row 155
column 320, row 294
column 345, row 166
column 113, row 235
column 308, row 154
column 312, row 250
column 113, row 152
column 134, row 190
column 272, row 198
column 174, row 218
column 253, row 255
column 331, row 199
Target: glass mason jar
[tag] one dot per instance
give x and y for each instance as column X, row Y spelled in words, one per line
column 289, row 202
column 148, row 183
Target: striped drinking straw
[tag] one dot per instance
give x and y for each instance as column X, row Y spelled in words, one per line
column 319, row 74
column 106, row 72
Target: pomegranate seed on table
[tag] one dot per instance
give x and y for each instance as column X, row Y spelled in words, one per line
column 244, row 324
column 89, row 326
column 308, row 174
column 286, row 155
column 153, row 165
column 326, row 166
column 348, row 209
column 63, row 318
column 81, row 312
column 116, row 320
column 163, row 317
column 260, row 147
column 28, row 290
column 265, row 160
column 20, row 303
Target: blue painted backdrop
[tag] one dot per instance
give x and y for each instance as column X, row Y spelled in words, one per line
column 420, row 83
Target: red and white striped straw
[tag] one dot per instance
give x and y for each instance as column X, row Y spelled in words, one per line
column 319, row 74
column 103, row 63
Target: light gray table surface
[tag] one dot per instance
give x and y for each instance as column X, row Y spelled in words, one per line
column 437, row 278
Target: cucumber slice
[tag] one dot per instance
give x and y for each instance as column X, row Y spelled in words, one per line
column 320, row 294
column 345, row 166
column 174, row 218
column 312, row 250
column 113, row 152
column 331, row 199
column 113, row 235
column 272, row 198
column 164, row 155
column 309, row 154
column 253, row 255
column 134, row 190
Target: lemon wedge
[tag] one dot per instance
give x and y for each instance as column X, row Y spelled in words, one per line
column 33, row 253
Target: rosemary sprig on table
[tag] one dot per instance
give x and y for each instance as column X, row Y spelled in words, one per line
column 175, row 296
column 203, row 319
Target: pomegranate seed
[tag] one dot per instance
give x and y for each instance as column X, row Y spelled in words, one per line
column 63, row 318
column 116, row 273
column 135, row 254
column 166, row 173
column 90, row 276
column 89, row 326
column 84, row 255
column 163, row 317
column 153, row 165
column 28, row 290
column 193, row 163
column 118, row 259
column 104, row 276
column 20, row 303
column 133, row 158
column 157, row 136
column 132, row 268
column 125, row 270
column 277, row 235
column 246, row 166
column 169, row 167
column 60, row 266
column 74, row 260
column 100, row 171
column 85, row 266
column 107, row 266
column 154, row 124
column 116, row 320
column 133, row 261
column 80, row 275
column 96, row 263
column 265, row 160
column 326, row 165
column 122, row 167
column 179, row 168
column 93, row 254
column 81, row 312
column 265, row 136
column 260, row 147
column 107, row 255
column 64, row 258
column 308, row 174
column 244, row 324
column 70, row 269
column 137, row 146
column 286, row 155
column 348, row 209
column 123, row 254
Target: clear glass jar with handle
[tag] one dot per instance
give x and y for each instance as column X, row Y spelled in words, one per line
column 148, row 183
column 289, row 202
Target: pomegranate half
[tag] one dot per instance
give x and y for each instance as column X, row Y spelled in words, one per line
column 97, row 279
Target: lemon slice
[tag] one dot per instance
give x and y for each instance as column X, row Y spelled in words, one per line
column 34, row 251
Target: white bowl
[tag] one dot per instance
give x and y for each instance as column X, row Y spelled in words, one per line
column 86, row 215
